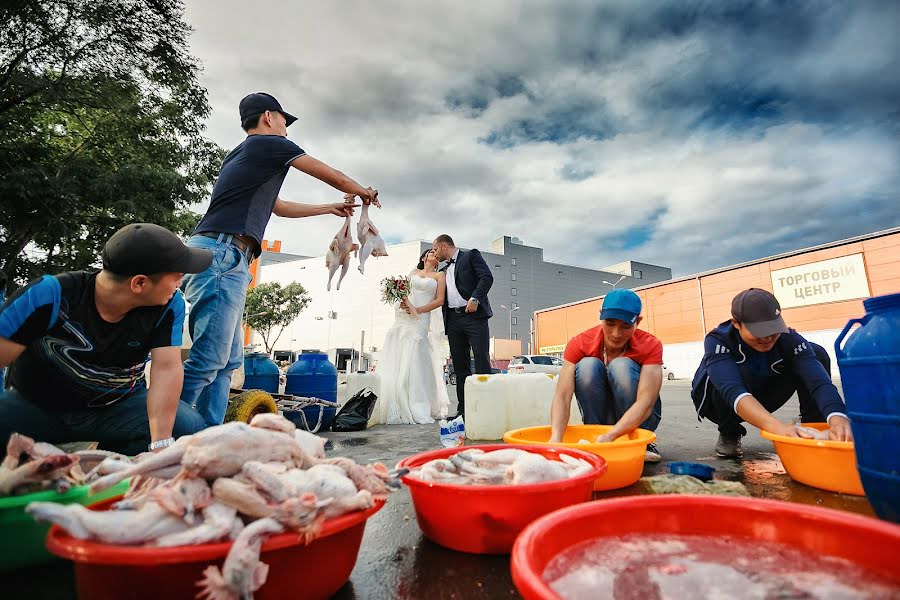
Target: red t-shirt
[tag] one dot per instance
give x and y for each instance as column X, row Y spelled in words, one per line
column 643, row 348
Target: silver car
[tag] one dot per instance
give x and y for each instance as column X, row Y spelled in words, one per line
column 535, row 363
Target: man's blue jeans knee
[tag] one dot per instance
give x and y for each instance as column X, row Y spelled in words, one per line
column 216, row 298
column 604, row 393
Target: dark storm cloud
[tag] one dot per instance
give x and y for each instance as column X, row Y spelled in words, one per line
column 713, row 132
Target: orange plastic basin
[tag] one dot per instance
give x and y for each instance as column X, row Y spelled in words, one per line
column 109, row 572
column 823, row 464
column 485, row 519
column 624, row 457
column 864, row 541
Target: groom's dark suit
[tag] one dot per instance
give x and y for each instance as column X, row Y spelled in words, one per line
column 468, row 332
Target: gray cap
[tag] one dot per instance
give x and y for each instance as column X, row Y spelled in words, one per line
column 759, row 311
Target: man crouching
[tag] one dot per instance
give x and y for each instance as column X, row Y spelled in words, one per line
column 78, row 343
column 615, row 372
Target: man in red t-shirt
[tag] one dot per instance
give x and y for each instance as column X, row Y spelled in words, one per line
column 615, row 372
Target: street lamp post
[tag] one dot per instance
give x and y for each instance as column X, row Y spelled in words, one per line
column 613, row 285
column 510, row 318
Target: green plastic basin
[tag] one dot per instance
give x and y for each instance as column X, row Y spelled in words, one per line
column 22, row 538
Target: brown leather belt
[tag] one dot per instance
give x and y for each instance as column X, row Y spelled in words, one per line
column 245, row 244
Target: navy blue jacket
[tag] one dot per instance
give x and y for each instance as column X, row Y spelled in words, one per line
column 733, row 368
column 473, row 280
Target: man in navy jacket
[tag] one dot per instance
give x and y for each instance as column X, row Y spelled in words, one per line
column 752, row 365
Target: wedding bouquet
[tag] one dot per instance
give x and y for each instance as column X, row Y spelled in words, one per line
column 394, row 289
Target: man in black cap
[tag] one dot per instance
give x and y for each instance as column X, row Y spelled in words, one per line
column 752, row 365
column 243, row 199
column 78, row 343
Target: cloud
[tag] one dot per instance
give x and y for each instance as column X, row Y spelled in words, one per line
column 690, row 134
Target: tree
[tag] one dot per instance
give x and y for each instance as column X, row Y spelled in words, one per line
column 101, row 124
column 269, row 306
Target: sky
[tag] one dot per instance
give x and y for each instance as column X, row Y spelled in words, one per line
column 692, row 135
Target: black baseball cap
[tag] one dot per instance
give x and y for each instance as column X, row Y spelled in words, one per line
column 260, row 102
column 148, row 249
column 759, row 311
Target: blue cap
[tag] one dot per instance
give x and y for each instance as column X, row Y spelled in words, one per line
column 623, row 305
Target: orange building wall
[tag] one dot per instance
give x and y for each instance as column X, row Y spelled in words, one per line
column 266, row 246
column 673, row 313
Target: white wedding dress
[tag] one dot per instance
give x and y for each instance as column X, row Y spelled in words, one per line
column 411, row 365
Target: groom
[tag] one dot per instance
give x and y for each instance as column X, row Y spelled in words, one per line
column 466, row 311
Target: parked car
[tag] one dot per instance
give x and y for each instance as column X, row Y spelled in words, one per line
column 450, row 372
column 668, row 374
column 535, row 363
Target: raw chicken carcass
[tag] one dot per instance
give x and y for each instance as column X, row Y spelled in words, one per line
column 166, row 458
column 312, row 444
column 534, row 468
column 244, row 497
column 218, row 523
column 370, row 241
column 42, row 470
column 338, row 254
column 243, row 573
column 219, row 451
column 183, row 497
column 125, row 527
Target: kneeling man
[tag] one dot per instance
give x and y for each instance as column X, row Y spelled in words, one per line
column 615, row 372
column 78, row 343
column 751, row 367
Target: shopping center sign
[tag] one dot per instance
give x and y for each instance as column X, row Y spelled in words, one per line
column 824, row 281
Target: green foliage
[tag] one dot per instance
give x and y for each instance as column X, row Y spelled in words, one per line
column 269, row 306
column 101, row 124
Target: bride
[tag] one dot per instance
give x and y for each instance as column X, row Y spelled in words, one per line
column 411, row 367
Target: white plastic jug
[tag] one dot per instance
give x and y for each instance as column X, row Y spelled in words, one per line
column 485, row 407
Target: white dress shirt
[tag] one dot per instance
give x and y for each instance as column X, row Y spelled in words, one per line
column 454, row 300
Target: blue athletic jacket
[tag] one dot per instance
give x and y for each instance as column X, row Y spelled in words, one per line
column 734, row 369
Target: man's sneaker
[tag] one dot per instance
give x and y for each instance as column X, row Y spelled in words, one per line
column 652, row 454
column 729, row 446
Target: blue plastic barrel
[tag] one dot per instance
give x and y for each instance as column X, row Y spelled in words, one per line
column 870, row 374
column 313, row 376
column 260, row 373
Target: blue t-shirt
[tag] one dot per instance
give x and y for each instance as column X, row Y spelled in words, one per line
column 73, row 358
column 248, row 185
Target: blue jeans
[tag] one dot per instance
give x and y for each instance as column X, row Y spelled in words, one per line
column 216, row 298
column 605, row 393
column 121, row 427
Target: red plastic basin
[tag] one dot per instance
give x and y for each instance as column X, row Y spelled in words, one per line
column 870, row 543
column 486, row 519
column 104, row 571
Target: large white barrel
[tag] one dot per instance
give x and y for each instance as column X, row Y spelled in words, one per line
column 499, row 403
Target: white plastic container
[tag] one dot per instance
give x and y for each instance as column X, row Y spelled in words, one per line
column 496, row 404
column 486, row 407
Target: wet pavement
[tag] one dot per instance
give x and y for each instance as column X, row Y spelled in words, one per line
column 397, row 562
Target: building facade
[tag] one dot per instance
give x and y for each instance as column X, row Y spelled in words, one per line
column 354, row 316
column 819, row 289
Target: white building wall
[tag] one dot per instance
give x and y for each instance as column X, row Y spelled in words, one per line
column 356, row 304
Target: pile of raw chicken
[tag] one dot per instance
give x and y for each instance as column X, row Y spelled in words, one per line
column 31, row 466
column 231, row 482
column 370, row 244
column 508, row 466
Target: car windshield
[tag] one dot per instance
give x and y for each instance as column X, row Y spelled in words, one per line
column 542, row 360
